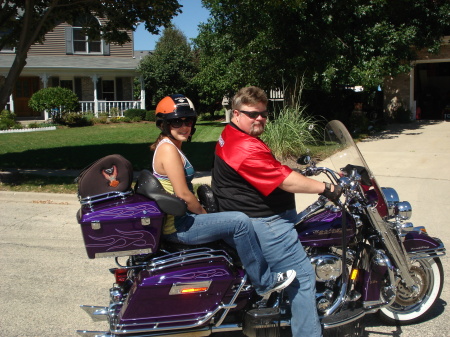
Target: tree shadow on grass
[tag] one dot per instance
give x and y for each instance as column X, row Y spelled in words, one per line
column 77, row 157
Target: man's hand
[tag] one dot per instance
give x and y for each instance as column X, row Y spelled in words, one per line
column 332, row 194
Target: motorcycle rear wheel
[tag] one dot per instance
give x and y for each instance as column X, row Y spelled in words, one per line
column 410, row 307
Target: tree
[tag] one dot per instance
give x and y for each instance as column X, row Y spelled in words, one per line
column 171, row 67
column 274, row 43
column 27, row 21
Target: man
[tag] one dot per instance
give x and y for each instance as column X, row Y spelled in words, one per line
column 246, row 177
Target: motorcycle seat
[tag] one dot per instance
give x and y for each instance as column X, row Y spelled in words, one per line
column 149, row 186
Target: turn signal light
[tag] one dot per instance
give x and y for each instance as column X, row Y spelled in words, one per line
column 354, row 274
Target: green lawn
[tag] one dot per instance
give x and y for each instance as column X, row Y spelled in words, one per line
column 75, row 148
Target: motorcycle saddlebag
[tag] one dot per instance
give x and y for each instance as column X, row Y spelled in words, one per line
column 112, row 173
column 120, row 227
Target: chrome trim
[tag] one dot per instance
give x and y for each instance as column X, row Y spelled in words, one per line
column 403, row 210
column 102, row 197
column 344, row 322
column 231, row 305
column 122, row 329
column 87, row 333
column 95, row 312
column 191, row 255
column 121, row 253
column 395, row 249
column 177, row 288
column 392, row 199
column 428, row 253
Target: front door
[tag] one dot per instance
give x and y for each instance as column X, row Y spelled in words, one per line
column 24, row 89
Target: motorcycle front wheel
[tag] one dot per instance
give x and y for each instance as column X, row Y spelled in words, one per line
column 410, row 306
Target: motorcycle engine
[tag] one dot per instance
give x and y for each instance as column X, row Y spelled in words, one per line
column 328, row 267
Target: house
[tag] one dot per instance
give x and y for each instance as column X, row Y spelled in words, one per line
column 102, row 75
column 425, row 90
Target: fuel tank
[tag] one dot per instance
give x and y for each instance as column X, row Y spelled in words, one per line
column 324, row 229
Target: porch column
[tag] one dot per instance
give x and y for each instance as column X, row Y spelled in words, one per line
column 141, row 80
column 11, row 103
column 44, row 78
column 11, row 98
column 94, row 80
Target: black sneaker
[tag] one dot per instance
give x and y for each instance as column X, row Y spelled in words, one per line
column 283, row 280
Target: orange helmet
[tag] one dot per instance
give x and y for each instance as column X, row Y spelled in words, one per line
column 172, row 107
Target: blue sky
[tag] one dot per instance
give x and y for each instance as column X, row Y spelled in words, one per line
column 187, row 22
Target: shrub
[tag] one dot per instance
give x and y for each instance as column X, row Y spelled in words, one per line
column 136, row 119
column 290, row 132
column 114, row 112
column 34, row 125
column 74, row 119
column 17, row 126
column 131, row 113
column 100, row 120
column 62, row 99
column 150, row 116
column 7, row 120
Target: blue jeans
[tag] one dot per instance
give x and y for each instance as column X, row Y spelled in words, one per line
column 236, row 229
column 283, row 250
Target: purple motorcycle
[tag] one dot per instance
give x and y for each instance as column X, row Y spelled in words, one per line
column 367, row 257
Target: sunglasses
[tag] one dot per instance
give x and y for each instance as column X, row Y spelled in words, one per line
column 178, row 122
column 255, row 114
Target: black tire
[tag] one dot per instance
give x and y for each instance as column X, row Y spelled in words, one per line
column 410, row 308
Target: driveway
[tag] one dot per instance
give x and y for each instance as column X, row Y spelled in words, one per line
column 45, row 272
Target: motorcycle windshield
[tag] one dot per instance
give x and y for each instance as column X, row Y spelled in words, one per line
column 347, row 157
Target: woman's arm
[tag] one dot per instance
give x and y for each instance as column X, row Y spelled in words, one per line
column 168, row 161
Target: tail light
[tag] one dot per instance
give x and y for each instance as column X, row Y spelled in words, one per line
column 121, row 275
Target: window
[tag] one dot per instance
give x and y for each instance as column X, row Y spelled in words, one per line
column 68, row 84
column 7, row 48
column 108, row 90
column 77, row 42
column 82, row 44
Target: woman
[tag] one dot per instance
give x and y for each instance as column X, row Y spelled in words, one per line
column 176, row 118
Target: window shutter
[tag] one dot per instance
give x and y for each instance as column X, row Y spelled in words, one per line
column 69, row 41
column 119, row 89
column 78, row 89
column 99, row 89
column 105, row 48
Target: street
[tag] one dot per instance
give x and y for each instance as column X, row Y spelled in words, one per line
column 46, row 274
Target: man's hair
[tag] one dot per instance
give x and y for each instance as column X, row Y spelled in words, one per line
column 249, row 96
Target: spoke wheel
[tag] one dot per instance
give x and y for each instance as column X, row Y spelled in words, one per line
column 410, row 305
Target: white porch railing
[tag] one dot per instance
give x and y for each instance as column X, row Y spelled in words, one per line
column 106, row 106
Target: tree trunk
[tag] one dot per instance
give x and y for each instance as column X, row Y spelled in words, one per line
column 14, row 72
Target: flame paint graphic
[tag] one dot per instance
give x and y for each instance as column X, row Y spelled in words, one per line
column 123, row 212
column 325, row 216
column 124, row 239
column 201, row 274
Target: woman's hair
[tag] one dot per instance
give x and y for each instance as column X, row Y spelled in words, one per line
column 249, row 96
column 155, row 144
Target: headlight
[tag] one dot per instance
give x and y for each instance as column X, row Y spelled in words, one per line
column 392, row 199
column 403, row 210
